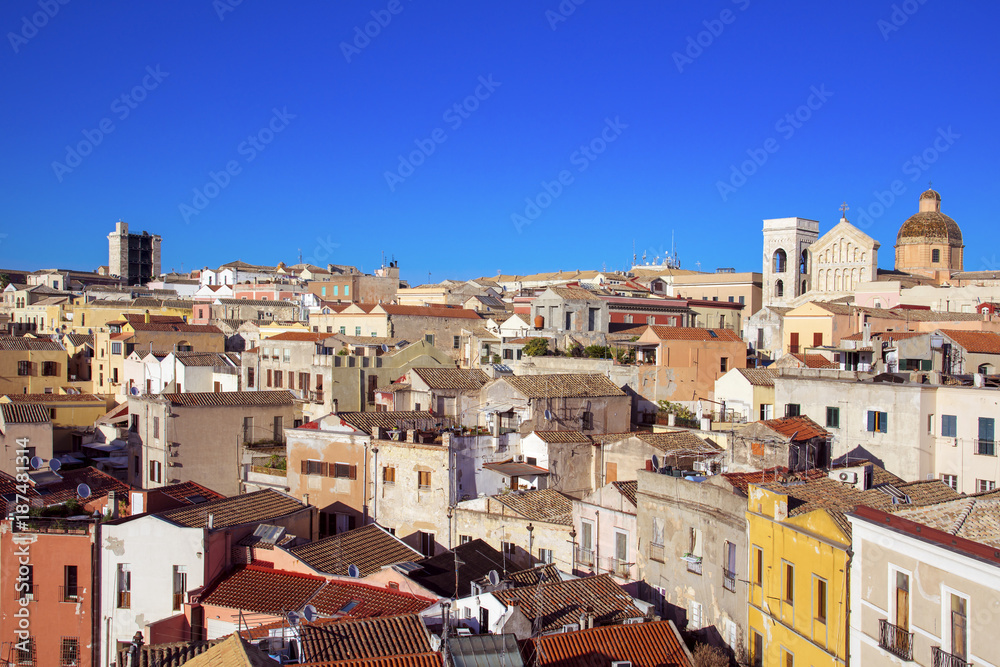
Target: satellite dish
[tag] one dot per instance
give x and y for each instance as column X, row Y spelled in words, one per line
column 353, row 571
column 494, row 578
column 55, row 464
column 36, row 462
column 548, row 415
column 309, row 613
column 385, row 348
column 293, row 618
column 656, row 462
column 134, row 391
column 83, row 490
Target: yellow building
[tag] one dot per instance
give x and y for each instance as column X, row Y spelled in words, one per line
column 68, row 414
column 31, row 365
column 88, row 317
column 800, row 556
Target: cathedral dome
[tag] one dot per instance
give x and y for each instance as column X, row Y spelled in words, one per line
column 929, row 224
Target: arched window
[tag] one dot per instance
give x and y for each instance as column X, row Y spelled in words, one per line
column 985, row 369
column 780, row 260
column 804, row 263
column 779, row 289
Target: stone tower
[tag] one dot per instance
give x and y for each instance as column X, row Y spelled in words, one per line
column 135, row 258
column 786, row 263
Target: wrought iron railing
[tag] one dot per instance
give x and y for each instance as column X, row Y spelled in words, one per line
column 895, row 640
column 986, row 447
column 584, row 556
column 656, row 552
column 942, row 659
column 728, row 580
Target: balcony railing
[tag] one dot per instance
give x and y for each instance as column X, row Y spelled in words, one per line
column 620, row 568
column 693, row 563
column 728, row 580
column 942, row 659
column 31, row 593
column 584, row 556
column 895, row 640
column 124, row 599
column 656, row 552
column 986, row 447
column 69, row 594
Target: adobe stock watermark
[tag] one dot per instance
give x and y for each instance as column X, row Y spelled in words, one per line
column 30, row 25
column 900, row 14
column 322, row 252
column 696, row 44
column 786, row 127
column 915, row 167
column 248, row 150
column 223, row 7
column 363, row 36
column 581, row 158
column 454, row 116
column 121, row 107
column 562, row 13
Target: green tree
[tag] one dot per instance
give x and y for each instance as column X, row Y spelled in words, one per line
column 536, row 347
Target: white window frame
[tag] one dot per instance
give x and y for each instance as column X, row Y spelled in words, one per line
column 946, row 593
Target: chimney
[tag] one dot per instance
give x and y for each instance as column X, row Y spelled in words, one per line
column 411, row 435
column 866, row 334
column 145, row 317
column 112, row 505
column 211, row 521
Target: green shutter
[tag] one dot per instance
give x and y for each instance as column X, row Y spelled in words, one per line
column 871, row 421
column 926, row 365
column 986, row 429
column 883, row 422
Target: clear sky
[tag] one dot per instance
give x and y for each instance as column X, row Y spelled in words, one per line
column 259, row 130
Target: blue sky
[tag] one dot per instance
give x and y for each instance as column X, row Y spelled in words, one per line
column 260, row 130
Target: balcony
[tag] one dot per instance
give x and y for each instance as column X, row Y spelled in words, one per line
column 69, row 594
column 895, row 640
column 986, row 447
column 656, row 552
column 31, row 593
column 620, row 568
column 729, row 580
column 585, row 556
column 942, row 659
column 693, row 563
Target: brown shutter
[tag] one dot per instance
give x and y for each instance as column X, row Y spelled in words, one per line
column 354, row 472
column 305, row 467
column 327, row 472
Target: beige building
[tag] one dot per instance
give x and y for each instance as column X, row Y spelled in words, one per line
column 25, row 431
column 31, row 365
column 691, row 359
column 747, row 393
column 840, row 260
column 70, row 414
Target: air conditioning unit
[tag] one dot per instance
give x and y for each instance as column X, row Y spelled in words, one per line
column 848, row 477
column 519, row 458
column 621, row 663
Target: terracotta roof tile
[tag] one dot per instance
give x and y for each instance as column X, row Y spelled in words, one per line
column 263, row 590
column 678, row 443
column 366, row 421
column 759, row 377
column 561, row 603
column 802, row 427
column 178, row 328
column 652, row 644
column 256, row 507
column 815, row 361
column 561, row 436
column 358, row 639
column 54, row 398
column 369, row 548
column 977, row 342
column 204, row 399
column 431, row 311
column 100, row 484
column 208, row 359
column 413, row 660
column 336, row 597
column 24, row 413
column 189, row 493
column 232, row 652
column 20, row 344
column 540, row 505
column 308, row 336
column 695, row 334
column 547, row 573
column 465, row 379
column 628, row 490
column 571, row 385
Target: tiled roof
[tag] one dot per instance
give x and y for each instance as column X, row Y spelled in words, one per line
column 168, row 655
column 140, row 318
column 207, row 359
column 19, row 344
column 576, row 293
column 256, row 507
column 189, row 493
column 547, row 573
column 393, row 388
column 309, row 336
column 369, row 548
column 368, row 601
column 476, row 559
column 232, row 652
column 652, row 644
column 357, row 639
column 366, row 421
column 485, row 651
column 759, row 377
column 678, row 443
column 24, row 413
column 695, row 334
column 263, row 590
column 571, row 385
column 977, row 342
column 274, row 303
column 801, row 427
column 76, row 340
column 512, row 468
column 886, row 335
column 539, row 505
column 204, row 399
column 179, row 328
column 54, row 398
column 561, row 436
column 100, row 484
column 431, row 311
column 466, row 379
column 628, row 490
column 9, row 487
column 976, row 518
column 411, row 660
column 815, row 361
column 561, row 603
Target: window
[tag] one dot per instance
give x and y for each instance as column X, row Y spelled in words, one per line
column 793, row 342
column 156, row 427
column 429, row 338
column 780, row 261
column 423, row 479
column 983, row 485
column 694, row 621
column 69, row 652
column 25, row 584
column 269, row 381
column 628, row 319
column 347, row 290
column 357, row 331
column 758, row 566
column 508, row 549
column 766, row 411
column 278, row 428
column 250, row 378
column 787, row 659
column 464, row 539
column 310, row 467
column 657, row 538
column 694, row 554
column 70, row 590
column 545, row 555
column 819, row 599
column 986, row 445
column 723, row 364
column 180, row 586
column 588, row 421
column 278, row 379
column 50, row 368
column 743, row 300
column 345, row 471
column 793, row 409
column 935, row 256
column 286, row 355
column 959, row 627
column 729, row 570
column 116, row 348
column 388, row 475
column 779, row 289
column 26, row 654
column 950, row 480
column 833, row 417
column 155, row 471
column 949, row 426
column 24, row 368
column 756, row 649
column 878, row 422
column 817, row 338
column 336, row 290
column 426, row 543
column 789, row 583
column 124, row 583
column 455, row 341
column 136, row 466
column 343, row 330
